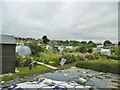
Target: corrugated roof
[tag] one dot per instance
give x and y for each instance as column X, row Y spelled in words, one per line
column 7, row 39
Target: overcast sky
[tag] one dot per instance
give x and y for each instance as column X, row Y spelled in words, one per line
column 97, row 21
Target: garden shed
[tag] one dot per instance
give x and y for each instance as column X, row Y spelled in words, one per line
column 7, row 53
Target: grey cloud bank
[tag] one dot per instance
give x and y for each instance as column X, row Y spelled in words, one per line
column 97, row 21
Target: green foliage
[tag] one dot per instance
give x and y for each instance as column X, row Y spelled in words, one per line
column 110, row 66
column 89, row 56
column 80, row 57
column 66, row 43
column 83, row 49
column 23, row 71
column 119, row 43
column 49, row 57
column 26, row 71
column 20, row 60
column 9, row 76
column 69, row 58
column 90, row 50
column 68, row 50
column 107, row 43
column 45, row 39
column 86, row 47
column 92, row 44
column 115, row 57
column 96, row 55
column 35, row 48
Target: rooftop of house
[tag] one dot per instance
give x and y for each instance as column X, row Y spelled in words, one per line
column 7, row 39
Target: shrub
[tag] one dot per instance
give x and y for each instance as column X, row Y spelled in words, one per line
column 96, row 55
column 113, row 57
column 90, row 50
column 83, row 49
column 102, row 66
column 89, row 56
column 81, row 57
column 49, row 58
column 35, row 48
column 19, row 61
column 55, row 61
column 68, row 58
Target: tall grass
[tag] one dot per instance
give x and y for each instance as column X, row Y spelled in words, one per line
column 111, row 66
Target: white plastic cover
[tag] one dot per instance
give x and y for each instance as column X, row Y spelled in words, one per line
column 23, row 50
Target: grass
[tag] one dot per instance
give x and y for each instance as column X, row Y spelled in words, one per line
column 8, row 77
column 111, row 66
column 24, row 71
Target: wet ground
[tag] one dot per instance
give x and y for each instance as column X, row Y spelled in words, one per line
column 93, row 78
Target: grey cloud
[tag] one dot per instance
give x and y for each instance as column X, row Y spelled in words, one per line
column 62, row 20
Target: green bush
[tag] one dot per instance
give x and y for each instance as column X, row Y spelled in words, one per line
column 81, row 57
column 19, row 60
column 68, row 58
column 96, row 55
column 89, row 56
column 83, row 49
column 49, row 57
column 55, row 61
column 113, row 57
column 110, row 66
column 35, row 48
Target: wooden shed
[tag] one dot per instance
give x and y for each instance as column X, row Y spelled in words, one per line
column 7, row 53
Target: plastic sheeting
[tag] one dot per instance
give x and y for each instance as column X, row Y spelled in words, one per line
column 49, row 84
column 106, row 51
column 23, row 50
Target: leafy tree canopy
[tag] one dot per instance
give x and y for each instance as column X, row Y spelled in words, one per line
column 45, row 39
column 107, row 43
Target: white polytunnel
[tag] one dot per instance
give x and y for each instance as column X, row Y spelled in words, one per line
column 23, row 50
column 106, row 51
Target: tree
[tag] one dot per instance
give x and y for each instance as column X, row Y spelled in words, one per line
column 90, row 50
column 45, row 39
column 92, row 44
column 107, row 43
column 118, row 43
column 35, row 49
column 83, row 42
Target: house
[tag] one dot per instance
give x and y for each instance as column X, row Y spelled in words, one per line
column 7, row 53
